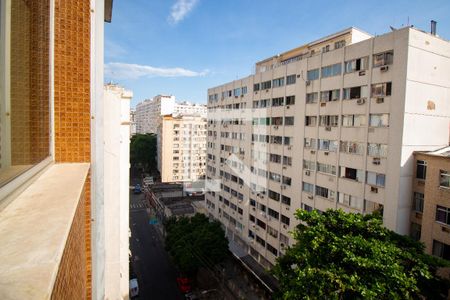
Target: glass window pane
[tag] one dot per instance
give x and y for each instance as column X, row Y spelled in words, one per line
column 24, row 107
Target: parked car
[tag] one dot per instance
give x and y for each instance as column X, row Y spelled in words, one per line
column 134, row 288
column 137, row 189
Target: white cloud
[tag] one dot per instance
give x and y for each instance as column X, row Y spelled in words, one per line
column 134, row 71
column 180, row 10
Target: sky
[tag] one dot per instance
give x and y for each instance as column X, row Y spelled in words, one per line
column 184, row 47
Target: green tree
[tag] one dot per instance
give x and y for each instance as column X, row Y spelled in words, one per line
column 339, row 255
column 143, row 151
column 195, row 242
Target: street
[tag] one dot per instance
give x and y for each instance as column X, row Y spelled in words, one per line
column 150, row 262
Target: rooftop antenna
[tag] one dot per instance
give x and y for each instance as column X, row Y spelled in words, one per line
column 407, row 22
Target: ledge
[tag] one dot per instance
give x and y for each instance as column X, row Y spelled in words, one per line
column 34, row 229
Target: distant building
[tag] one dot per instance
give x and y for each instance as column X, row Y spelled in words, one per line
column 181, row 145
column 430, row 216
column 148, row 113
column 132, row 122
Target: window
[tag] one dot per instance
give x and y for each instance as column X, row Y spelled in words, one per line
column 278, row 101
column 290, row 79
column 382, row 59
column 312, row 97
column 272, row 232
column 24, row 86
column 288, row 121
column 349, row 200
column 355, row 92
column 377, row 150
column 275, row 158
column 312, row 74
column 273, row 213
column 324, row 192
column 309, row 165
column 441, row 250
column 307, row 207
column 310, row 121
column 286, row 180
column 274, row 195
column 352, row 147
column 443, row 214
column 339, row 44
column 444, row 178
column 310, row 143
column 285, row 200
column 290, row 100
column 287, row 140
column 266, row 85
column 308, row 187
column 325, row 168
column 256, row 87
column 332, row 121
column 284, row 239
column 277, row 120
column 354, row 65
column 376, row 179
column 418, row 199
column 278, row 82
column 353, row 120
column 332, row 70
column 287, row 161
column 351, row 173
column 260, row 241
column 421, row 169
column 328, row 145
column 237, row 92
column 272, row 249
column 332, row 95
column 244, row 90
column 381, row 89
column 415, row 231
column 285, row 220
column 379, row 120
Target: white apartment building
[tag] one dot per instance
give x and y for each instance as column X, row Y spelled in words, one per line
column 181, row 145
column 331, row 124
column 149, row 112
column 132, row 122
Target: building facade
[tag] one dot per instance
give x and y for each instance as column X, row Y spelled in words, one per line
column 430, row 214
column 331, row 124
column 149, row 112
column 133, row 122
column 181, row 148
column 56, row 155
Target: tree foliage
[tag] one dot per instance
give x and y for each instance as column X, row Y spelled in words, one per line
column 143, row 151
column 195, row 242
column 350, row 256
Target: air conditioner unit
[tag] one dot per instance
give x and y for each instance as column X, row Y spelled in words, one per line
column 322, row 104
column 326, row 153
column 256, row 92
column 376, row 161
column 284, row 167
column 308, row 82
column 240, row 187
column 298, row 76
column 253, row 225
column 287, row 107
column 284, row 226
column 242, row 95
column 313, row 152
column 267, row 90
column 310, row 196
column 283, row 187
column 328, row 128
column 384, row 68
column 380, row 100
column 307, row 172
column 361, row 101
column 253, row 208
column 373, row 189
column 275, row 127
column 287, row 208
column 289, row 147
column 362, row 73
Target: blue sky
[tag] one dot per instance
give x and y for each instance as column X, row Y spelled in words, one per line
column 184, row 47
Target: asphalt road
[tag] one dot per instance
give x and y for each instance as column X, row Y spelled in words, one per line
column 156, row 276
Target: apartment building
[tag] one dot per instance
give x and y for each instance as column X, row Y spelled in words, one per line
column 149, row 112
column 133, row 122
column 181, row 145
column 60, row 155
column 430, row 213
column 331, row 124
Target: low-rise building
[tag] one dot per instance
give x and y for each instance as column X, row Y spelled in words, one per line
column 430, row 216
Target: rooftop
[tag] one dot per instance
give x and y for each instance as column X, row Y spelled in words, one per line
column 443, row 152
